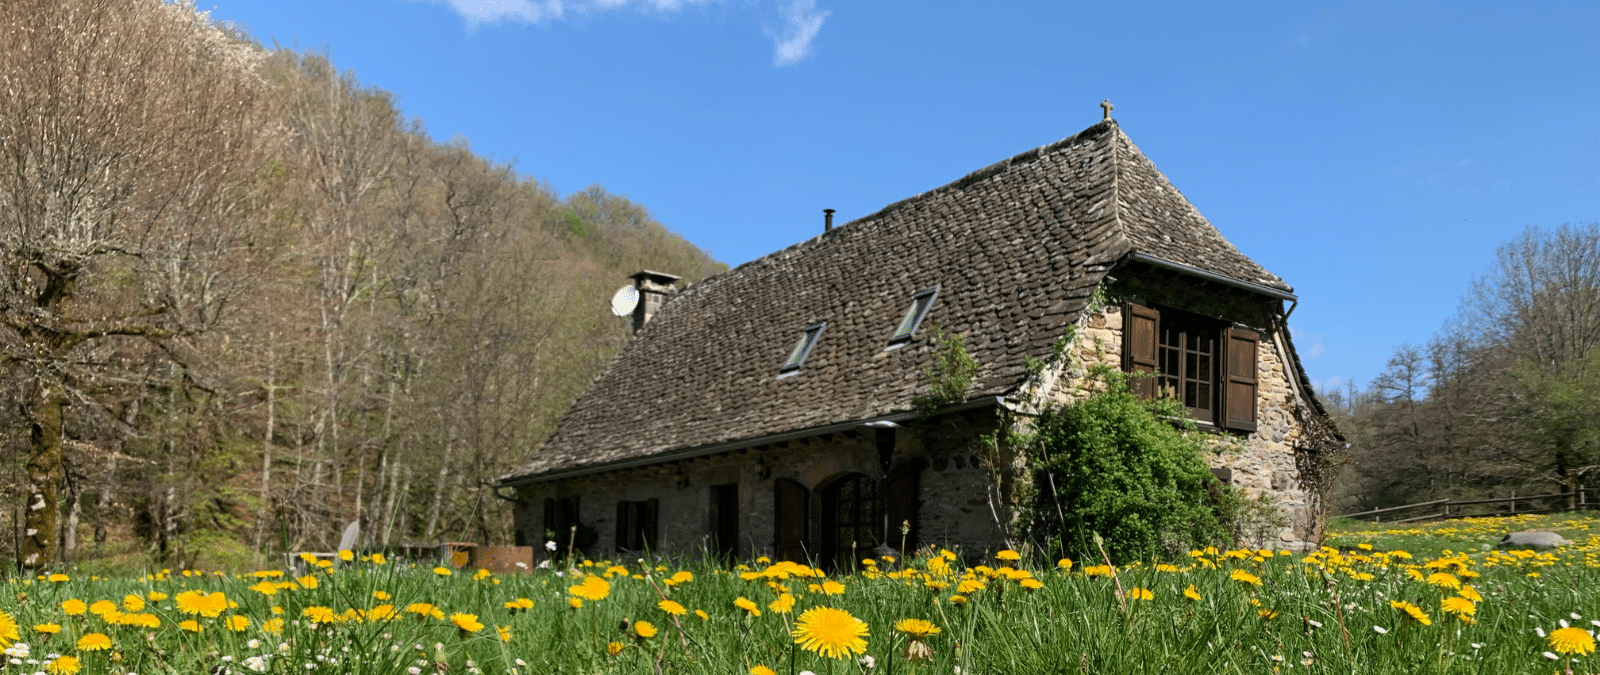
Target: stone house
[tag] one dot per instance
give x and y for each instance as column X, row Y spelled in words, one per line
column 769, row 409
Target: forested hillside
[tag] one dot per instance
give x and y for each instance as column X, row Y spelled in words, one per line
column 1505, row 398
column 245, row 301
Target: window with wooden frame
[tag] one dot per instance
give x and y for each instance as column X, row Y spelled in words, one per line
column 1208, row 366
column 636, row 525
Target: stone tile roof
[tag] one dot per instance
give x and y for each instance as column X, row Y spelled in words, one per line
column 1017, row 248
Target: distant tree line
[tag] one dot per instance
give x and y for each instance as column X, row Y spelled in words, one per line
column 1506, row 397
column 244, row 301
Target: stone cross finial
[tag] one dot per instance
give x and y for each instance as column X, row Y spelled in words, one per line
column 1106, row 105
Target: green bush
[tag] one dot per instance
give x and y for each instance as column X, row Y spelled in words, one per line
column 1130, row 469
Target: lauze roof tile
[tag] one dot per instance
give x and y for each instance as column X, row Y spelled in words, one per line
column 1017, row 249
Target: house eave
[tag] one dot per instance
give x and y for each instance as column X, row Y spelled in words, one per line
column 701, row 451
column 1212, row 276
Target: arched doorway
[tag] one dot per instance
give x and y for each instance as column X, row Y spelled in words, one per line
column 852, row 519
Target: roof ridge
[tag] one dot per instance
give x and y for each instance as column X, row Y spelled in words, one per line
column 1023, row 157
column 971, row 177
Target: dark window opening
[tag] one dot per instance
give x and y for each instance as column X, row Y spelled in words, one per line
column 560, row 516
column 725, row 519
column 636, row 525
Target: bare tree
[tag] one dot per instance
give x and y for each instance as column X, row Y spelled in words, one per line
column 130, row 132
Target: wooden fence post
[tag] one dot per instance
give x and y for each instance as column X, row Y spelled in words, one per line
column 1513, row 502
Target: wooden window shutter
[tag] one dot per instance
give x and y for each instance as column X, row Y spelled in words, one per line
column 1140, row 328
column 1239, row 381
column 647, row 523
column 624, row 526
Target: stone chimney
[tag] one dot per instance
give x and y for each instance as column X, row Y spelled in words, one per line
column 654, row 290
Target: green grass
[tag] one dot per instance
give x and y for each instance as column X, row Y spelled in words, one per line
column 1328, row 613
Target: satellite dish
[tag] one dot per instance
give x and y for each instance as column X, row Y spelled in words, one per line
column 624, row 300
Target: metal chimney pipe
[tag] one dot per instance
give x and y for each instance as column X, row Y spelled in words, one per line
column 827, row 220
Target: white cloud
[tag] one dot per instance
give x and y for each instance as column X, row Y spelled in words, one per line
column 801, row 23
column 797, row 25
column 479, row 12
column 1330, row 384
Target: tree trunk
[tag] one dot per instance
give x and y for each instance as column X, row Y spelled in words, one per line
column 37, row 549
column 266, row 442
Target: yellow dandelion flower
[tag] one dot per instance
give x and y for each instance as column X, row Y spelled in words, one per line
column 1267, row 614
column 575, row 603
column 132, row 603
column 264, row 587
column 614, row 648
column 1411, row 611
column 829, row 632
column 467, row 623
column 320, row 614
column 190, row 625
column 378, row 559
column 347, row 555
column 644, row 629
column 1009, row 555
column 1031, row 584
column 1097, row 571
column 1141, row 594
column 101, row 607
column 591, row 588
column 672, row 608
column 442, row 571
column 702, row 614
column 969, row 586
column 157, row 596
column 1244, row 577
column 1445, row 580
column 761, row 670
column 1192, row 593
column 1571, row 641
column 272, row 626
column 1470, row 593
column 58, row 578
column 1458, row 606
column 958, row 600
column 94, row 642
column 1065, row 564
column 916, row 629
column 237, row 623
column 141, row 620
column 503, row 632
column 783, row 605
column 63, row 665
column 46, row 629
column 832, row 587
column 749, row 607
column 423, row 609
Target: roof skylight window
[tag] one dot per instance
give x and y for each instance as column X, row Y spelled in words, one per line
column 808, row 339
column 919, row 309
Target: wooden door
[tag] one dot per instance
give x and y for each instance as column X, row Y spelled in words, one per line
column 792, row 500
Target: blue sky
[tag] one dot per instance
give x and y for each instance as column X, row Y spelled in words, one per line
column 1374, row 156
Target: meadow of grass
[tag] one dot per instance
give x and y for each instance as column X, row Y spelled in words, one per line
column 1358, row 605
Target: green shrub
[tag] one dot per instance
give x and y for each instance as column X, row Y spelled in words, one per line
column 1118, row 465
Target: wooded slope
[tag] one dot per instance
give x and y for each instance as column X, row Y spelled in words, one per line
column 245, row 301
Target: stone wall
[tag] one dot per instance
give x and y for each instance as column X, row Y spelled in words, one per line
column 1259, row 463
column 955, row 508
